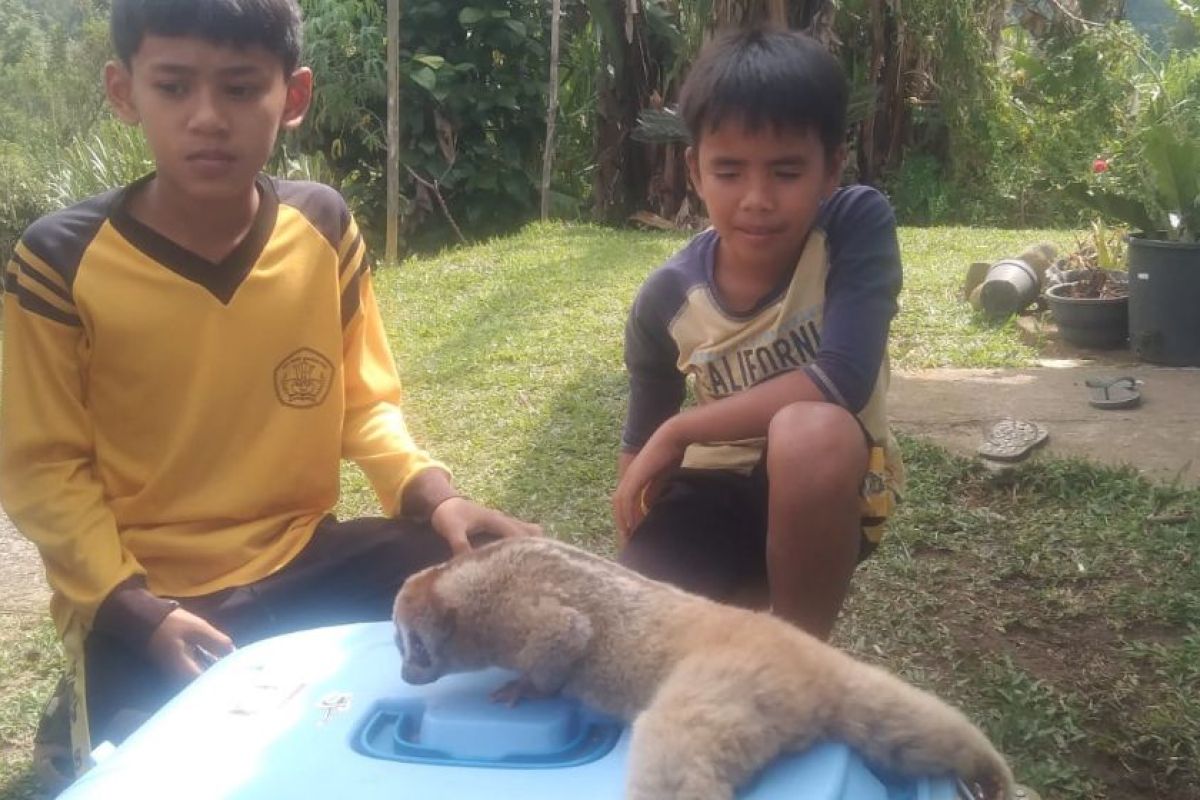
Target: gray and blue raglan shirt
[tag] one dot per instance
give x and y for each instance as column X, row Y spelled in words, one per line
column 829, row 317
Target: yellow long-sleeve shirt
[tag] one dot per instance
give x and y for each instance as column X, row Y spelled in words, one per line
column 183, row 420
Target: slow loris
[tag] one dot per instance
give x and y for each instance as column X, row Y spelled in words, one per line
column 714, row 692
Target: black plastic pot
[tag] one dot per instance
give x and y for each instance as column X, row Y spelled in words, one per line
column 1009, row 287
column 1164, row 301
column 1101, row 323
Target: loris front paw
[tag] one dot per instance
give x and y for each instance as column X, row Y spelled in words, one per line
column 517, row 690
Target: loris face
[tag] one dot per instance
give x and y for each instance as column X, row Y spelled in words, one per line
column 424, row 627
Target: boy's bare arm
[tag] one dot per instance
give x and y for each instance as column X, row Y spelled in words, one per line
column 623, row 461
column 745, row 415
column 431, row 496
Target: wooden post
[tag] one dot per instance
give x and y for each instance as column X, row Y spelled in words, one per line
column 551, row 108
column 777, row 14
column 391, row 246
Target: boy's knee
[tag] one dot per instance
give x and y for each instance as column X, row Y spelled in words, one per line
column 816, row 439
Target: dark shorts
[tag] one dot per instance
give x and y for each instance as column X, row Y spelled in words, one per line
column 349, row 572
column 707, row 533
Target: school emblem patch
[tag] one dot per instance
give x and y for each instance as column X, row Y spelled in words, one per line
column 302, row 379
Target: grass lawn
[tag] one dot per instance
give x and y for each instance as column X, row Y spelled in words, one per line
column 1041, row 600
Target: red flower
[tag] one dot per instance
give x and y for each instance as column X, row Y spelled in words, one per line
column 1099, row 165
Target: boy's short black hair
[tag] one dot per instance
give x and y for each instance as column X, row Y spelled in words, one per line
column 766, row 76
column 274, row 24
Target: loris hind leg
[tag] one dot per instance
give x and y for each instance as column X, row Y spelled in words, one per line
column 705, row 733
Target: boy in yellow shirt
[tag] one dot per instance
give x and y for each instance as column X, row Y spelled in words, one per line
column 186, row 361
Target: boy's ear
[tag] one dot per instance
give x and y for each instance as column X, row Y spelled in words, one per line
column 118, row 86
column 299, row 97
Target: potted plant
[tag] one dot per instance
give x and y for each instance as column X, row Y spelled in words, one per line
column 1088, row 295
column 1164, row 252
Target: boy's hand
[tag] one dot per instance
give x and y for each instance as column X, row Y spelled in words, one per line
column 180, row 642
column 457, row 518
column 662, row 453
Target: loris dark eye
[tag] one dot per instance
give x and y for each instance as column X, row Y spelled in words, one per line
column 417, row 654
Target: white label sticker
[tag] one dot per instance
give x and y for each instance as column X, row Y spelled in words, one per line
column 1143, row 276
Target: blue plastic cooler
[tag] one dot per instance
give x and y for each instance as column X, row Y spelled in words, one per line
column 324, row 714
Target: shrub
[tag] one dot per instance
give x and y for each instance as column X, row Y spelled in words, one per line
column 472, row 108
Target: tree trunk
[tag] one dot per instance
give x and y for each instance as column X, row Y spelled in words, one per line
column 624, row 87
column 867, row 146
column 391, row 245
column 893, row 63
column 552, row 107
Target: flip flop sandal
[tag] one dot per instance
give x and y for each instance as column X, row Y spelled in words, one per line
column 1012, row 440
column 1115, row 393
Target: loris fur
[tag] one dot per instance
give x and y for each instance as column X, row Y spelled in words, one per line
column 714, row 692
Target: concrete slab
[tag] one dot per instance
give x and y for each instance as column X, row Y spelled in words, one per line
column 1161, row 438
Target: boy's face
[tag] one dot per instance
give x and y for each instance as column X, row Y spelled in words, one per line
column 210, row 112
column 763, row 190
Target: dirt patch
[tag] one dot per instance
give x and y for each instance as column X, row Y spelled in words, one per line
column 1060, row 654
column 1078, row 655
column 23, row 588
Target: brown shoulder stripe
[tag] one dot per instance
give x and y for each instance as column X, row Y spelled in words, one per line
column 321, row 205
column 352, row 293
column 31, row 302
column 349, row 270
column 41, row 277
column 352, row 253
column 34, row 289
column 55, row 244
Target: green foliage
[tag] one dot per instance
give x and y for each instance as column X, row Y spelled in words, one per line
column 1186, row 34
column 1155, row 183
column 578, row 98
column 954, row 36
column 1070, row 100
column 44, row 107
column 921, row 189
column 112, row 154
column 472, row 107
column 21, row 197
column 29, row 670
column 999, row 146
column 1109, row 245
